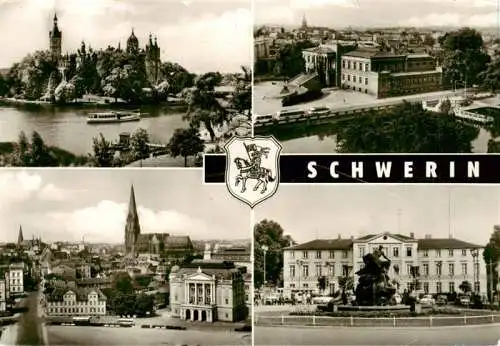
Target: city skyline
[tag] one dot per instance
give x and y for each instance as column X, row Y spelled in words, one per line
column 67, row 205
column 186, row 30
column 356, row 210
column 378, row 13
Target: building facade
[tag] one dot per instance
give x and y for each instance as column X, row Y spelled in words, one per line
column 15, row 280
column 443, row 264
column 325, row 60
column 208, row 290
column 3, row 295
column 385, row 74
column 75, row 302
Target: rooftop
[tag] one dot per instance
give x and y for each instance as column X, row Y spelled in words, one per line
column 423, row 244
column 81, row 293
column 370, row 54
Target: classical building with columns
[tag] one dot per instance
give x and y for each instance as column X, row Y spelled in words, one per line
column 443, row 263
column 208, row 290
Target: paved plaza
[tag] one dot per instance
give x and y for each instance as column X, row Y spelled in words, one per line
column 468, row 335
column 69, row 335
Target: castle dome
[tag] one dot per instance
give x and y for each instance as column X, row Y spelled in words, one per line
column 132, row 40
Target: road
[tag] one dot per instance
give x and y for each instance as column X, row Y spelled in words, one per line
column 470, row 335
column 68, row 335
column 29, row 325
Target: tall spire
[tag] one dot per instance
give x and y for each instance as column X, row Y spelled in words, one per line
column 20, row 237
column 132, row 227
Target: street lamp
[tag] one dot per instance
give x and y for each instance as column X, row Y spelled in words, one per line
column 475, row 253
column 264, row 249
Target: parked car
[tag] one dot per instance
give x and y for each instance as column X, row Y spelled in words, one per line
column 465, row 301
column 427, row 300
column 442, row 300
column 321, row 300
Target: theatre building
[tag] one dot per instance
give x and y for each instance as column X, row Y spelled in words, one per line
column 443, row 263
column 385, row 74
column 208, row 290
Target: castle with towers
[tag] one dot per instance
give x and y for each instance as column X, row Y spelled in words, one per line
column 151, row 53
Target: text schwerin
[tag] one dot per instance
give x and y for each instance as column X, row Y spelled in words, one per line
column 383, row 169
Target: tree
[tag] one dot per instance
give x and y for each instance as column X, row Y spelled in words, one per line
column 203, row 106
column 103, row 151
column 322, row 283
column 407, row 128
column 491, row 76
column 289, row 61
column 3, row 86
column 491, row 255
column 242, row 96
column 445, row 107
column 123, row 283
column 21, row 154
column 139, row 143
column 269, row 233
column 144, row 304
column 185, row 143
column 465, row 287
column 464, row 56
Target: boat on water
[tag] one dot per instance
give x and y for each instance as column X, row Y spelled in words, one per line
column 113, row 117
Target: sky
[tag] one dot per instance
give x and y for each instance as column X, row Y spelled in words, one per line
column 71, row 205
column 356, row 210
column 378, row 13
column 201, row 35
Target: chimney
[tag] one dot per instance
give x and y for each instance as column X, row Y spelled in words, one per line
column 412, row 235
column 428, row 236
column 339, row 237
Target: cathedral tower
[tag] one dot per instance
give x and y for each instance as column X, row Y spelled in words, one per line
column 132, row 227
column 20, row 237
column 55, row 37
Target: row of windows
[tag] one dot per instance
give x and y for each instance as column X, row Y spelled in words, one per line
column 415, row 81
column 439, row 286
column 90, row 302
column 77, row 310
column 330, row 269
column 354, row 79
column 355, row 65
column 395, row 252
column 319, row 270
column 331, row 254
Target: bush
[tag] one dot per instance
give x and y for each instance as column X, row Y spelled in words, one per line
column 308, row 96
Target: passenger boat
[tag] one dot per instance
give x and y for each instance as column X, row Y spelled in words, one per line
column 113, row 117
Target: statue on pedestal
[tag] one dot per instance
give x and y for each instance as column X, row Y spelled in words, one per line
column 374, row 286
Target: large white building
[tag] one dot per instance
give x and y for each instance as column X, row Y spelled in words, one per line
column 3, row 295
column 443, row 263
column 65, row 301
column 208, row 290
column 15, row 280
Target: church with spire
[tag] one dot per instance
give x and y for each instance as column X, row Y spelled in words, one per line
column 168, row 246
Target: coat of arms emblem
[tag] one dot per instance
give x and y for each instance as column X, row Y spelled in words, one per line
column 252, row 168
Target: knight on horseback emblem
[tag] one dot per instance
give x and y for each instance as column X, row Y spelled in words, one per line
column 254, row 159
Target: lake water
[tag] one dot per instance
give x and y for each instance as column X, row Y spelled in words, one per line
column 68, row 129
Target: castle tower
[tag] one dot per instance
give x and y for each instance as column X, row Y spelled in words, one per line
column 55, row 37
column 153, row 60
column 20, row 237
column 132, row 44
column 132, row 227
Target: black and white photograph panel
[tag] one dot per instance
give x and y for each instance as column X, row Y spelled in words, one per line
column 112, row 83
column 378, row 76
column 378, row 265
column 122, row 257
